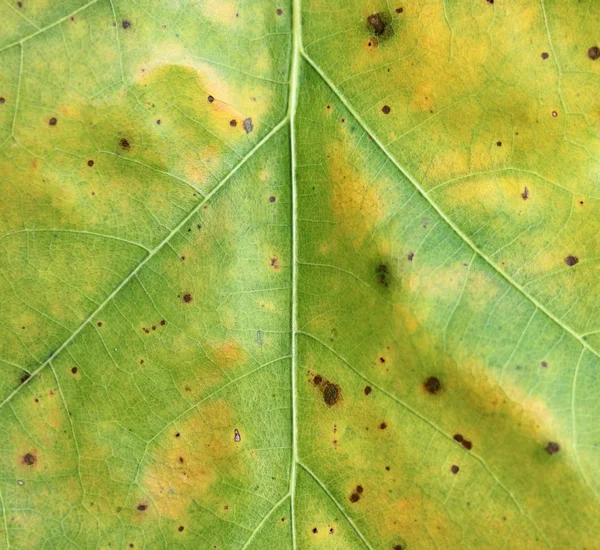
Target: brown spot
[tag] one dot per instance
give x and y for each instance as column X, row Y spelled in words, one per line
column 458, row 437
column 383, row 275
column 142, row 507
column 397, row 547
column 410, row 256
column 571, row 260
column 124, row 144
column 354, row 497
column 399, row 10
column 99, row 323
column 74, row 370
column 181, row 461
column 52, row 121
column 187, row 298
column 29, row 459
column 210, row 99
column 279, row 11
column 126, row 24
column 525, row 193
column 177, row 434
column 317, row 379
column 467, row 444
column 248, row 126
column 377, row 23
column 331, row 394
column 432, row 385
column 552, row 447
column 25, row 377
column 490, row 1
column 275, row 262
column 554, row 114
column 386, row 109
column 20, row 4
column 272, row 199
column 368, row 390
column 544, row 364
column 360, row 489
column 2, row 101
column 454, row 469
column 90, row 163
column 382, row 359
column 594, row 53
column 382, row 426
column 158, row 122
column 499, row 144
column 545, row 55
column 163, row 323
column 180, row 528
column 233, row 123
column 315, row 530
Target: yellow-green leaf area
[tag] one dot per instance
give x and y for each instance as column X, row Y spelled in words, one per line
column 299, row 274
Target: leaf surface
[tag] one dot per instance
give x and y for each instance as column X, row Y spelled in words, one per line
column 309, row 274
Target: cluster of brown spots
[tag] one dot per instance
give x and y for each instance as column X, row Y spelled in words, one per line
column 275, row 263
column 399, row 10
column 382, row 360
column 545, row 55
column 464, row 442
column 233, row 123
column 525, row 193
column 571, row 260
column 248, row 126
column 90, row 163
column 594, row 53
column 331, row 392
column 74, row 370
column 454, row 469
column 142, row 507
column 386, row 109
column 368, row 390
column 52, row 121
column 432, row 385
column 383, row 275
column 29, row 459
column 124, row 144
column 552, row 447
column 187, row 298
column 377, row 23
column 126, row 24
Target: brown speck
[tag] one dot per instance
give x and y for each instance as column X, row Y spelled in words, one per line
column 554, row 114
column 29, row 459
column 454, row 469
column 90, row 163
column 354, row 497
column 410, row 256
column 387, row 468
column 317, row 379
column 544, row 364
column 545, row 55
column 397, row 547
column 124, row 144
column 315, row 530
column 458, row 437
column 180, row 528
column 99, row 323
column 499, row 144
column 126, row 24
column 233, row 123
column 359, row 489
column 552, row 447
column 382, row 359
column 467, row 444
column 432, row 385
column 399, row 10
column 25, row 377
column 210, row 99
column 187, row 298
column 52, row 121
column 158, row 122
column 331, row 394
column 490, row 1
column 181, row 460
column 74, row 370
column 248, row 126
column 177, row 434
column 142, row 507
column 383, row 274
column 571, row 260
column 279, row 11
column 594, row 53
column 2, row 101
column 382, row 426
column 386, row 109
column 275, row 262
column 376, row 23
column 163, row 323
column 272, row 199
column 525, row 193
column 368, row 390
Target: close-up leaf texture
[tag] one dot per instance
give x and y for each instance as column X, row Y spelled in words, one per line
column 300, row 274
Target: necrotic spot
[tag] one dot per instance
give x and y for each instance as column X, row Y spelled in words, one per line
column 29, row 459
column 552, row 447
column 594, row 53
column 432, row 385
column 571, row 260
column 331, row 394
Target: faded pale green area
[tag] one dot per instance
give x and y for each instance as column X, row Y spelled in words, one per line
column 216, row 334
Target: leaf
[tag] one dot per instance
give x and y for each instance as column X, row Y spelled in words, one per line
column 283, row 276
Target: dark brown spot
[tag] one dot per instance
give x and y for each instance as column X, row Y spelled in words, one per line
column 248, row 126
column 279, row 11
column 554, row 114
column 158, row 122
column 315, row 530
column 490, row 1
column 90, row 163
column 163, row 323
column 386, row 109
column 499, row 144
column 126, row 24
column 275, row 262
column 2, row 101
column 124, row 144
column 525, row 193
column 383, row 274
column 331, row 394
column 552, row 447
column 454, row 469
column 368, row 390
column 142, row 507
column 359, row 489
column 210, row 99
column 382, row 359
column 410, row 256
column 74, row 370
column 399, row 10
column 458, row 437
column 432, row 385
column 25, row 377
column 544, row 364
column 354, row 497
column 29, row 459
column 52, row 121
column 187, row 298
column 181, row 461
column 233, row 123
column 571, row 260
column 397, row 547
column 177, row 434
column 467, row 444
column 382, row 426
column 318, row 379
column 180, row 528
column 20, row 4
column 272, row 199
column 99, row 323
column 376, row 23
column 594, row 53
column 545, row 55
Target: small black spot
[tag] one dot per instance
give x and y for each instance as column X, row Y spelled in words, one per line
column 382, row 359
column 177, row 434
column 180, row 528
column 158, row 122
column 525, row 193
column 163, row 323
column 187, row 298
column 382, row 426
column 383, row 275
column 29, row 459
column 432, row 385
column 499, row 144
column 233, row 123
column 25, row 377
column 458, row 437
column 377, row 23
column 248, row 126
column 399, row 10
column 594, row 53
column 52, row 121
column 90, row 163
column 545, row 55
column 368, row 390
column 142, row 507
column 279, row 11
column 210, row 99
column 99, row 323
column 552, row 447
column 74, row 370
column 571, row 260
column 454, row 469
column 354, row 497
column 331, row 394
column 315, row 530
column 272, row 199
column 126, row 24
column 386, row 109
column 124, row 144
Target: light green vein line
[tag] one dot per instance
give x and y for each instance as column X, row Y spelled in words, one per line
column 147, row 258
column 435, row 206
column 335, row 501
column 265, row 519
column 4, row 519
column 44, row 29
